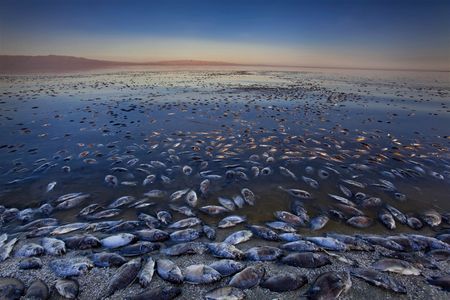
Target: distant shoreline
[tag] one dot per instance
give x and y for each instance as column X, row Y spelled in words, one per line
column 20, row 64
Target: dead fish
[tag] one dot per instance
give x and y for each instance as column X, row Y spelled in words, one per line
column 239, row 201
column 156, row 194
column 167, row 293
column 53, row 246
column 398, row 215
column 266, row 171
column 264, row 232
column 302, row 194
column 227, row 203
column 149, row 179
column 201, row 274
column 122, row 201
column 300, row 246
column 441, row 281
column 231, row 221
column 124, row 276
column 289, row 218
column 329, row 285
column 118, row 240
column 152, row 235
column 306, row 260
column 323, row 174
column 213, row 209
column 328, row 243
column 284, row 282
column 279, row 225
column 359, row 221
column 187, row 170
column 72, row 202
column 238, row 237
column 311, row 182
column 227, row 267
column 288, row 173
column 111, row 180
column 225, row 293
column 379, row 279
column 146, row 274
column 37, row 290
column 11, row 288
column 107, row 260
column 224, row 250
column 185, row 248
column 290, row 237
column 204, row 186
column 248, row 196
column 263, row 253
column 138, row 249
column 395, row 266
column 67, row 267
column 249, row 277
column 164, row 216
column 148, row 220
column 67, row 288
column 182, row 210
column 346, row 191
column 387, row 219
column 188, row 222
column 30, row 263
column 414, row 223
column 90, row 209
column 30, row 249
column 185, row 235
column 432, row 217
column 209, row 232
column 428, row 241
column 383, row 242
column 319, row 222
column 354, row 183
column 107, row 213
column 191, row 198
column 169, row 271
column 342, row 200
column 50, row 186
column 298, row 209
column 63, row 229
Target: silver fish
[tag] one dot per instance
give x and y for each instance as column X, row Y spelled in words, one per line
column 169, row 271
column 201, row 274
column 191, row 198
column 231, row 221
column 124, row 276
column 248, row 196
column 227, row 292
column 146, row 274
column 67, row 288
column 395, row 266
column 116, row 241
column 249, row 277
column 53, row 246
column 238, row 237
column 329, row 285
column 227, row 267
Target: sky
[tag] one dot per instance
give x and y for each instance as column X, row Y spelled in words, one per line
column 345, row 33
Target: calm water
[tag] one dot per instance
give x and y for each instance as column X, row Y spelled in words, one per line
column 363, row 126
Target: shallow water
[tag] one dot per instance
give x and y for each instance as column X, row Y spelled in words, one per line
column 356, row 123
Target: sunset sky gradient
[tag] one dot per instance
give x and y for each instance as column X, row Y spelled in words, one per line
column 348, row 33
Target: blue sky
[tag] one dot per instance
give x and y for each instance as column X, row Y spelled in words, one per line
column 279, row 32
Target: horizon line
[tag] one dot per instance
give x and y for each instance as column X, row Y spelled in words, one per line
column 197, row 62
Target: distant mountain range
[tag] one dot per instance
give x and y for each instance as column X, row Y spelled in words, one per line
column 48, row 63
column 61, row 63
